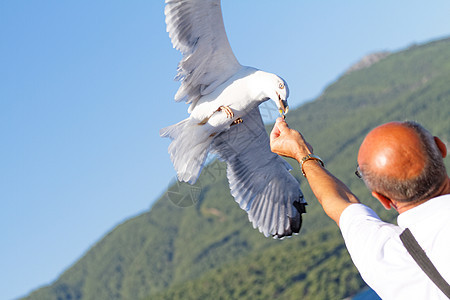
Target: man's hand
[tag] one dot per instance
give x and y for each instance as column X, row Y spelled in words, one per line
column 332, row 194
column 288, row 142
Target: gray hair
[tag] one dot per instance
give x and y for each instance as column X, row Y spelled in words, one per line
column 415, row 189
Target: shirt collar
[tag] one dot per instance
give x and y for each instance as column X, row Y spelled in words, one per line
column 422, row 211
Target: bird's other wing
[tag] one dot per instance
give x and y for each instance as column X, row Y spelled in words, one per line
column 259, row 179
column 196, row 29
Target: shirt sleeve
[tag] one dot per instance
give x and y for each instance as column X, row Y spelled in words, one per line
column 356, row 213
column 368, row 239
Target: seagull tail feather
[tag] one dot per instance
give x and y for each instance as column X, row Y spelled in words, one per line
column 188, row 150
column 173, row 131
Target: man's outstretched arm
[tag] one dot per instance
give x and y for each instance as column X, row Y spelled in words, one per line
column 333, row 195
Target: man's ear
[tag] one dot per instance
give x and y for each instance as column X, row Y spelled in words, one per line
column 441, row 146
column 383, row 200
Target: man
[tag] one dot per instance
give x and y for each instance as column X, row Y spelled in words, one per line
column 402, row 165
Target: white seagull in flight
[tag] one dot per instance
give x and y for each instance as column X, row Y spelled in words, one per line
column 224, row 118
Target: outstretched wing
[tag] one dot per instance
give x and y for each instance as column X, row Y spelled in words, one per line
column 259, row 179
column 196, row 29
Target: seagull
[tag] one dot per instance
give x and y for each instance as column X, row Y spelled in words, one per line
column 223, row 98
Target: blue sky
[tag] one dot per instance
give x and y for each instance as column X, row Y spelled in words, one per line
column 85, row 87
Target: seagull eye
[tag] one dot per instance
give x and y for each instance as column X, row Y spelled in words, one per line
column 281, row 85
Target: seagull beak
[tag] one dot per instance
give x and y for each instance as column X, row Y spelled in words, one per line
column 284, row 107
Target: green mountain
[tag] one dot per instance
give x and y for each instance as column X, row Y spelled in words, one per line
column 196, row 243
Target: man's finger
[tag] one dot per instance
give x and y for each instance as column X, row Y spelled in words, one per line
column 275, row 132
column 281, row 125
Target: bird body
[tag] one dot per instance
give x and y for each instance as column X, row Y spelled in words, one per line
column 233, row 93
column 223, row 94
column 241, row 92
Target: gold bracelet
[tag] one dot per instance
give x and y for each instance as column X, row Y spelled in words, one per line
column 310, row 157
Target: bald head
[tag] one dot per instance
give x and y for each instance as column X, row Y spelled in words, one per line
column 402, row 161
column 394, row 150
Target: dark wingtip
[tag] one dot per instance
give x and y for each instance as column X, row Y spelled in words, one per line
column 301, row 207
column 295, row 223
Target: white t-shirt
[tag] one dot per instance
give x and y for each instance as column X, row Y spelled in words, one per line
column 383, row 261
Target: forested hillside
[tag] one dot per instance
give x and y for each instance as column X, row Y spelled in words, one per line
column 196, row 243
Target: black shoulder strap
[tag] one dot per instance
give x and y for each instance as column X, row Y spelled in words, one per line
column 423, row 261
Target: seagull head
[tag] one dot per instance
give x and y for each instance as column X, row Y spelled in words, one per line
column 271, row 86
column 282, row 93
column 279, row 93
